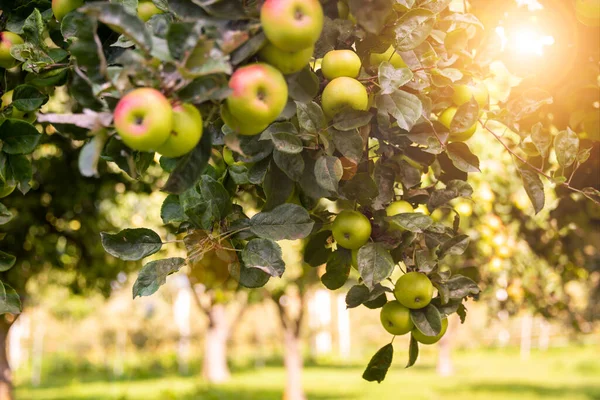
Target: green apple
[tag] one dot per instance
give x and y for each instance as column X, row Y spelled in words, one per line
column 424, row 339
column 438, row 215
column 463, row 93
column 390, row 55
column 343, row 10
column 285, row 61
column 185, row 133
column 344, row 92
column 6, row 188
column 395, row 208
column 395, row 318
column 292, row 25
column 7, row 40
column 144, row 119
column 16, row 113
column 60, row 8
column 259, row 94
column 351, row 229
column 338, row 63
column 241, row 128
column 446, row 118
column 354, row 261
column 422, row 208
column 146, row 9
column 414, row 290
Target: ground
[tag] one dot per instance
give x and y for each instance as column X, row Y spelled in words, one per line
column 567, row 373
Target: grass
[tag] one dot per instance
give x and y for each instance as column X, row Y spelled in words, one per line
column 570, row 373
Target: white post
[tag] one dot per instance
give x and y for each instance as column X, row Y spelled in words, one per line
column 181, row 311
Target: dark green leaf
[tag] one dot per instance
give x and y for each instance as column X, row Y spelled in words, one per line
column 291, row 164
column 131, row 244
column 413, row 352
column 466, row 116
column 337, row 269
column 371, row 14
column 303, row 86
column 28, row 98
column 414, row 222
column 265, row 255
column 455, row 246
column 379, row 364
column 460, row 286
column 361, row 188
column 253, row 277
column 190, row 167
column 205, row 88
column 390, row 78
column 425, row 260
column 19, row 169
column 315, row 252
column 349, row 143
column 171, row 211
column 154, row 275
column 328, row 172
column 534, row 188
column 310, row 117
column 462, row 158
column 427, row 320
column 5, row 214
column 350, row 119
column 287, row 221
column 9, row 299
column 19, row 137
column 7, row 261
column 405, row 107
column 357, row 295
column 374, row 264
column 284, row 137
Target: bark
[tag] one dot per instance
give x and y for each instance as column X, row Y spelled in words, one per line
column 6, row 383
column 293, row 360
column 215, row 368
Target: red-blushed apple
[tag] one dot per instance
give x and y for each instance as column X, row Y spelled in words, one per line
column 259, row 94
column 285, row 61
column 7, row 40
column 144, row 119
column 241, row 128
column 337, row 63
column 185, row 133
column 292, row 25
column 446, row 118
column 344, row 92
column 147, row 9
column 60, row 8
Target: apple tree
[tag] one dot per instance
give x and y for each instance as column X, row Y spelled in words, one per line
column 343, row 123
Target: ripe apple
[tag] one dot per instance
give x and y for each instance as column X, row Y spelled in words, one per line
column 60, row 8
column 344, row 92
column 351, row 229
column 292, row 25
column 285, row 61
column 424, row 339
column 338, row 63
column 245, row 128
column 146, row 9
column 390, row 55
column 446, row 118
column 413, row 290
column 463, row 93
column 395, row 318
column 259, row 95
column 395, row 208
column 185, row 133
column 7, row 40
column 16, row 113
column 144, row 119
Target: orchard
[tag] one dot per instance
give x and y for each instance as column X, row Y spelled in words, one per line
column 359, row 129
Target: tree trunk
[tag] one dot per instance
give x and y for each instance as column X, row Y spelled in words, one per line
column 444, row 364
column 293, row 365
column 215, row 368
column 6, row 384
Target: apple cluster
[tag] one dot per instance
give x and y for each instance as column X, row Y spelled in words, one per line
column 463, row 94
column 259, row 91
column 146, row 121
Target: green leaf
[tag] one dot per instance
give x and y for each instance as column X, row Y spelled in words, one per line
column 291, row 164
column 310, row 117
column 205, row 88
column 427, row 320
column 90, row 155
column 315, row 252
column 534, row 188
column 425, row 260
column 566, row 146
column 350, row 119
column 182, row 38
column 19, row 137
column 414, row 222
column 9, row 300
column 390, row 78
column 337, row 269
column 374, row 264
column 131, row 244
column 542, row 140
column 303, row 86
column 284, row 222
column 265, row 255
column 119, row 20
column 284, row 137
column 467, row 19
column 80, row 31
column 252, row 278
column 28, row 98
column 460, row 286
column 361, row 188
column 190, row 167
column 154, row 275
column 171, row 210
column 278, row 187
column 405, row 107
column 413, row 352
column 379, row 364
column 328, row 172
column 462, row 158
column 5, row 214
column 455, row 246
column 19, row 169
column 413, row 28
column 466, row 116
column 207, row 204
column 357, row 295
column 349, row 143
column 7, row 261
column 457, row 40
column 372, row 14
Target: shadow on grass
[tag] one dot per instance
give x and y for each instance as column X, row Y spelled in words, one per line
column 513, row 390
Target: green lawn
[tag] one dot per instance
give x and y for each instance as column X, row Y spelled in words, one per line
column 571, row 373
